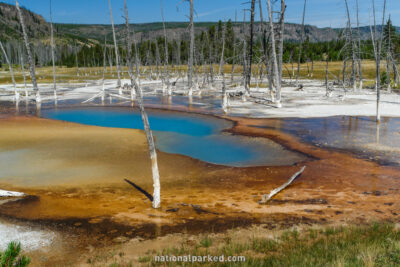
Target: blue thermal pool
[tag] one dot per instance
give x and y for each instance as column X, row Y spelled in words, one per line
column 192, row 135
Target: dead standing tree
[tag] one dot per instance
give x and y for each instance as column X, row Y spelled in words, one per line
column 166, row 65
column 301, row 42
column 225, row 101
column 360, row 73
column 391, row 64
column 281, row 39
column 21, row 60
column 191, row 47
column 28, row 51
column 222, row 60
column 52, row 54
column 353, row 80
column 156, row 200
column 191, row 50
column 266, row 50
column 251, row 45
column 104, row 68
column 274, row 57
column 116, row 50
column 377, row 45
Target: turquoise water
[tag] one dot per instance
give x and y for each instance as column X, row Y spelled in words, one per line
column 196, row 136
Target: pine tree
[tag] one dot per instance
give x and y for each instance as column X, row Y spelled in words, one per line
column 11, row 256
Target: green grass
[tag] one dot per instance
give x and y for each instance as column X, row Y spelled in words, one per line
column 64, row 74
column 206, row 242
column 374, row 245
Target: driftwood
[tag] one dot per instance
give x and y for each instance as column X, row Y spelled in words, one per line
column 265, row 198
column 4, row 193
column 93, row 97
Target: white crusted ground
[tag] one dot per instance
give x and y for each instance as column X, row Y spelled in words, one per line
column 312, row 102
column 30, row 239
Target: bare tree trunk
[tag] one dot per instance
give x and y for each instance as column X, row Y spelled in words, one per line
column 11, row 71
column 265, row 50
column 312, row 66
column 328, row 91
column 377, row 44
column 178, row 56
column 222, row 60
column 233, row 61
column 353, row 52
column 191, row 52
column 150, row 140
column 76, row 60
column 389, row 59
column 344, row 70
column 28, row 51
column 281, row 39
column 250, row 55
column 274, row 58
column 265, row 198
column 301, row 42
column 52, row 54
column 116, row 50
column 166, row 51
column 104, row 68
column 360, row 73
column 158, row 59
column 21, row 58
column 221, row 65
column 395, row 73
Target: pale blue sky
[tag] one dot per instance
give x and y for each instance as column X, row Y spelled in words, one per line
column 323, row 13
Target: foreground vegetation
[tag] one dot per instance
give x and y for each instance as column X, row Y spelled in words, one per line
column 11, row 256
column 373, row 245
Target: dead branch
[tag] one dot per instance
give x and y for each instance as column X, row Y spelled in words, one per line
column 265, row 198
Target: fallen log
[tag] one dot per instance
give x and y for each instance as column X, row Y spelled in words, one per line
column 265, row 198
column 90, row 99
column 4, row 193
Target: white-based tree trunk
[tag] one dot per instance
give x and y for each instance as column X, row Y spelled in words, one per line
column 222, row 60
column 274, row 57
column 166, row 65
column 104, row 69
column 52, row 55
column 116, row 50
column 301, row 42
column 21, row 60
column 28, row 51
column 191, row 50
column 149, row 135
column 377, row 45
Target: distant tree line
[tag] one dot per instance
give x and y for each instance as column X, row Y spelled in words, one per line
column 208, row 47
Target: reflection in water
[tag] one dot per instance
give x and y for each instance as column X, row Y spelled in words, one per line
column 378, row 126
column 190, row 102
column 196, row 136
column 360, row 134
column 17, row 106
column 38, row 108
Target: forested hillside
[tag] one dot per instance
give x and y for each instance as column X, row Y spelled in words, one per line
column 81, row 44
